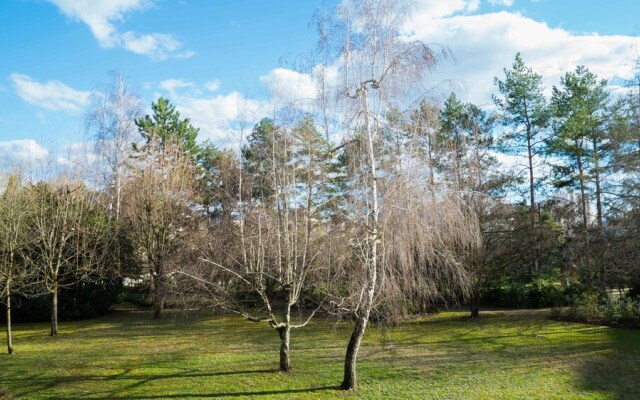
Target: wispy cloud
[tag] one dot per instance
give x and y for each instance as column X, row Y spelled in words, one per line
column 173, row 85
column 157, row 46
column 212, row 85
column 101, row 18
column 51, row 95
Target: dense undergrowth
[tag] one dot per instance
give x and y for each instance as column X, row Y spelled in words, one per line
column 619, row 311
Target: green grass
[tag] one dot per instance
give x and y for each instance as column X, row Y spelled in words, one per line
column 503, row 356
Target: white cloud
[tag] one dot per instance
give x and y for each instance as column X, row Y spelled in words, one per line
column 158, row 46
column 212, row 85
column 172, row 85
column 443, row 8
column 220, row 117
column 485, row 44
column 290, row 87
column 22, row 151
column 506, row 3
column 52, row 95
column 101, row 16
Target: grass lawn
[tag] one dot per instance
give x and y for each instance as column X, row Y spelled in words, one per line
column 512, row 355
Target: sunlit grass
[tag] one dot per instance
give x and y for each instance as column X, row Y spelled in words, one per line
column 502, row 356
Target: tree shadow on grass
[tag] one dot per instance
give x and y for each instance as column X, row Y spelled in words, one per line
column 213, row 395
column 615, row 372
column 598, row 360
column 45, row 384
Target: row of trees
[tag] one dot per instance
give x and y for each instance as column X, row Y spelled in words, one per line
column 368, row 204
column 53, row 235
column 579, row 176
column 584, row 140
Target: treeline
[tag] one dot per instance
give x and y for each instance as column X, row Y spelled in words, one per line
column 358, row 206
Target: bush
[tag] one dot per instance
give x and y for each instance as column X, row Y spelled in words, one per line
column 138, row 295
column 539, row 294
column 604, row 310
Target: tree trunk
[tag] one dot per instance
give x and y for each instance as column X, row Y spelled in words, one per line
column 601, row 265
column 474, row 305
column 118, row 189
column 349, row 382
column 285, row 334
column 158, row 301
column 9, row 341
column 532, row 204
column 54, row 311
column 158, row 305
column 585, row 222
column 158, row 292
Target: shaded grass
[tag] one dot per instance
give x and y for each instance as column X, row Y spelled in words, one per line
column 502, row 356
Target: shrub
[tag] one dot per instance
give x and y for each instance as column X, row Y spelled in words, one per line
column 538, row 294
column 138, row 295
column 604, row 310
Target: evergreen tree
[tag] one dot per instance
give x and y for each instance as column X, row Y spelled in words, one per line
column 166, row 125
column 580, row 108
column 524, row 111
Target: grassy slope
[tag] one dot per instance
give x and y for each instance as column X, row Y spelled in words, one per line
column 504, row 356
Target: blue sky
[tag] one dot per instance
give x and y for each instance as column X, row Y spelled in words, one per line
column 210, row 56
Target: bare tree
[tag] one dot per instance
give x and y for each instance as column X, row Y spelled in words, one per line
column 16, row 277
column 401, row 231
column 111, row 121
column 159, row 211
column 269, row 255
column 70, row 237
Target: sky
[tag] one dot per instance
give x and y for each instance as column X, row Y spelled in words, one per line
column 213, row 58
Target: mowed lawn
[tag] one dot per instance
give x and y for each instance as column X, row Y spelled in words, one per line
column 506, row 355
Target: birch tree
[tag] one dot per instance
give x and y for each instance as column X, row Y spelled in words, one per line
column 401, row 233
column 111, row 122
